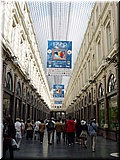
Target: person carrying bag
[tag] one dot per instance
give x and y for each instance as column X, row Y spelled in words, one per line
column 92, row 130
column 9, row 133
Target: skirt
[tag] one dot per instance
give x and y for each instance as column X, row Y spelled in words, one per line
column 83, row 134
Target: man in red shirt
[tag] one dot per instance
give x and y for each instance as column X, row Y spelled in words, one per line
column 70, row 130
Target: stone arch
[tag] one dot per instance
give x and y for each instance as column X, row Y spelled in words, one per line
column 9, row 81
column 100, row 90
column 111, row 83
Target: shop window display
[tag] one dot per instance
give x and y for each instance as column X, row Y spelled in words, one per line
column 101, row 114
column 113, row 112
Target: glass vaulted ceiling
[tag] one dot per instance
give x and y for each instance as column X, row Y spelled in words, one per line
column 60, row 20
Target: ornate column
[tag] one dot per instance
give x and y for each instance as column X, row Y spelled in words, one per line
column 92, row 109
column 105, row 103
column 117, row 67
column 14, row 96
column 22, row 101
column 79, row 109
column 26, row 104
column 4, row 72
column 3, row 83
column 97, row 107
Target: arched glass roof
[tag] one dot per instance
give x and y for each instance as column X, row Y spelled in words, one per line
column 60, row 20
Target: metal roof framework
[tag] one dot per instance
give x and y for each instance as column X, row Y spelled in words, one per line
column 60, row 20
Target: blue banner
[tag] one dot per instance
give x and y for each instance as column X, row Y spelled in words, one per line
column 57, row 102
column 59, row 54
column 58, row 91
column 58, row 86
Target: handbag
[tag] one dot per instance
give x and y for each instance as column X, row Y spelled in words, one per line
column 14, row 144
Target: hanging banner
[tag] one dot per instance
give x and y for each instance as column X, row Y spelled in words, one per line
column 58, row 86
column 59, row 56
column 58, row 91
column 58, row 103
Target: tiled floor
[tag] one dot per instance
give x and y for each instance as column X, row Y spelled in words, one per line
column 32, row 149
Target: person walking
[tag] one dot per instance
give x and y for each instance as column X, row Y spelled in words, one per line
column 84, row 133
column 22, row 127
column 9, row 133
column 59, row 130
column 64, row 130
column 50, row 130
column 42, row 127
column 78, row 130
column 92, row 130
column 70, row 130
column 54, row 121
column 18, row 135
column 36, row 129
column 29, row 129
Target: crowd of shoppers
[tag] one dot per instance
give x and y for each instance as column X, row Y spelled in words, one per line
column 71, row 130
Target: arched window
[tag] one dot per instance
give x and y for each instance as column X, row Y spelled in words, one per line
column 35, row 101
column 32, row 99
column 18, row 90
column 24, row 93
column 89, row 97
column 82, row 102
column 85, row 101
column 111, row 83
column 100, row 90
column 9, row 81
column 28, row 97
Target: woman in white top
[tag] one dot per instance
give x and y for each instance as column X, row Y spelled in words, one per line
column 18, row 128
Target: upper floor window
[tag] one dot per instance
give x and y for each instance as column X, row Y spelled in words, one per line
column 85, row 101
column 109, row 37
column 28, row 97
column 32, row 99
column 13, row 32
column 18, row 90
column 24, row 93
column 97, row 14
column 82, row 102
column 111, row 83
column 98, row 48
column 99, row 51
column 9, row 82
column 89, row 69
column 90, row 97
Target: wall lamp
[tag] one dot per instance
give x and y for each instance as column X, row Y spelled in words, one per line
column 112, row 59
column 78, row 96
column 42, row 100
column 74, row 100
column 83, row 90
column 10, row 57
column 91, row 81
column 28, row 80
column 34, row 89
column 39, row 96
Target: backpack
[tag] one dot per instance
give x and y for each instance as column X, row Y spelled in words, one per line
column 50, row 125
